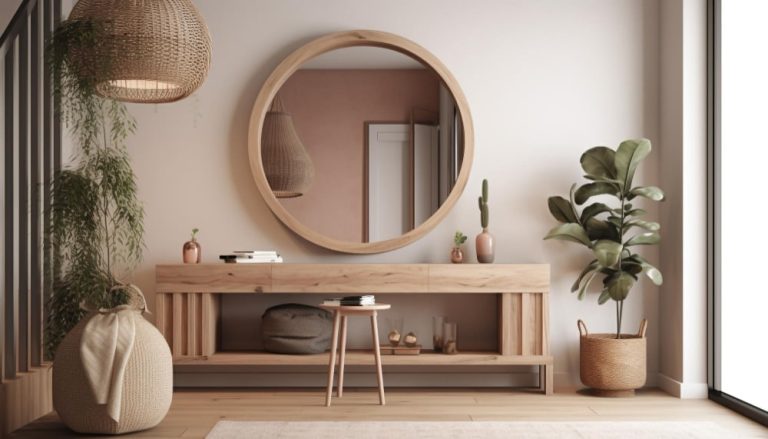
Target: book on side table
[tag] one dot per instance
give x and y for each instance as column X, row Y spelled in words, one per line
column 351, row 301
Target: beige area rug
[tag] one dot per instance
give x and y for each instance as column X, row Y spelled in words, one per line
column 480, row 430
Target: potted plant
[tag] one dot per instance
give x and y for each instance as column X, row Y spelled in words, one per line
column 457, row 256
column 97, row 237
column 612, row 364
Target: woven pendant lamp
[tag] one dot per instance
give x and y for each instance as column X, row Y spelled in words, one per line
column 287, row 164
column 159, row 50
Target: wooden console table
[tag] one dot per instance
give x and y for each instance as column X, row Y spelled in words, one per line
column 189, row 296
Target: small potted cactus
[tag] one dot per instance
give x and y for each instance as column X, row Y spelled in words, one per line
column 191, row 252
column 484, row 241
column 457, row 256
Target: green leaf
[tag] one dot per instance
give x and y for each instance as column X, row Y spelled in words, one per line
column 561, row 209
column 636, row 212
column 570, row 232
column 598, row 162
column 619, row 284
column 583, row 289
column 652, row 272
column 588, row 190
column 592, row 210
column 650, row 192
column 604, row 296
column 647, row 225
column 607, row 252
column 647, row 238
column 628, row 156
column 591, row 267
column 597, row 229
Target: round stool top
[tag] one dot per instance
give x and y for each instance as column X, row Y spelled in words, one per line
column 377, row 307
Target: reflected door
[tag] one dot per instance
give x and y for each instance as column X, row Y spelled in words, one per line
column 402, row 181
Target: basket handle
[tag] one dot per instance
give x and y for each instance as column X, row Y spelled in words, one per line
column 643, row 327
column 582, row 328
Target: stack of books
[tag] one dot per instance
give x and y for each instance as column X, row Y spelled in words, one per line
column 351, row 301
column 252, row 257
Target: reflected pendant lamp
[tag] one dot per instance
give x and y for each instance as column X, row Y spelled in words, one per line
column 159, row 50
column 287, row 164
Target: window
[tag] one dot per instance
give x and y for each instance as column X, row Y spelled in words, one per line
column 739, row 167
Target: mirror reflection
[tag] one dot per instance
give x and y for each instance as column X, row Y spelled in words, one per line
column 362, row 144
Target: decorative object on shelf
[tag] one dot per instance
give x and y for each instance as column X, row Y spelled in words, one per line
column 484, row 241
column 400, row 350
column 287, row 164
column 602, row 229
column 113, row 372
column 457, row 256
column 97, row 218
column 252, row 257
column 395, row 335
column 161, row 49
column 437, row 333
column 449, row 338
column 410, row 340
column 191, row 251
column 294, row 328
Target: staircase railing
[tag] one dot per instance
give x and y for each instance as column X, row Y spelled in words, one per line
column 31, row 133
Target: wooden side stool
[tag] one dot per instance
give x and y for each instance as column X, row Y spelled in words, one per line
column 340, row 314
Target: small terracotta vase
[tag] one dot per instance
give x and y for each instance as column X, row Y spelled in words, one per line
column 457, row 256
column 191, row 252
column 484, row 247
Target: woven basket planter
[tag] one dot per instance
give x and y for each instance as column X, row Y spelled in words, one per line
column 147, row 385
column 611, row 366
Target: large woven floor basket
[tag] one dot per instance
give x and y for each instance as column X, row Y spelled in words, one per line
column 147, row 387
column 611, row 366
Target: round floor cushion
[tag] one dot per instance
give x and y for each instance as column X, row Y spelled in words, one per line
column 296, row 329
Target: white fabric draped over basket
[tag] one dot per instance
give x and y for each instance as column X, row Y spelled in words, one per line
column 105, row 347
column 113, row 372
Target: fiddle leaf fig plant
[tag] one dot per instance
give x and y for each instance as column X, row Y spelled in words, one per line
column 611, row 230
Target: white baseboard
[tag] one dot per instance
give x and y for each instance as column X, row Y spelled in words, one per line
column 682, row 390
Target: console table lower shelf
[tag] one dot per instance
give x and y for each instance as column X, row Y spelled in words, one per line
column 188, row 311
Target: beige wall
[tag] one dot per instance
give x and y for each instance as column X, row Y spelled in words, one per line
column 330, row 109
column 544, row 79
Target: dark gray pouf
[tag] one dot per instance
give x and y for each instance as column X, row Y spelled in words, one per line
column 296, row 329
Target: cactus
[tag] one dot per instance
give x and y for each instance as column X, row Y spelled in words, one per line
column 194, row 233
column 483, row 204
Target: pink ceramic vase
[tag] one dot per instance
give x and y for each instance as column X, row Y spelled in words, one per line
column 191, row 252
column 484, row 247
column 457, row 256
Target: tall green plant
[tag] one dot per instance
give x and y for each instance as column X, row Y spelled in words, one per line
column 97, row 219
column 610, row 231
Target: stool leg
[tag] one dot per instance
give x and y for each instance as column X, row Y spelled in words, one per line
column 377, row 354
column 342, row 355
column 332, row 361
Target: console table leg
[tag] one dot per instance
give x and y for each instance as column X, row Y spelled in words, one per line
column 332, row 360
column 547, row 378
column 342, row 355
column 377, row 354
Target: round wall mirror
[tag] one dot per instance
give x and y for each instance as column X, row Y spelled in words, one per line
column 361, row 141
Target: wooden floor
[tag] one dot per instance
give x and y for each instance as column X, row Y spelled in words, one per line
column 194, row 412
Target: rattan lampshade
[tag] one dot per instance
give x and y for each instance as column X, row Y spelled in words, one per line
column 287, row 164
column 159, row 50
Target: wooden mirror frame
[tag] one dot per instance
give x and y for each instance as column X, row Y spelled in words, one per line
column 290, row 65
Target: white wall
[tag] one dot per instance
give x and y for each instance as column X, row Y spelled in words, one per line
column 545, row 80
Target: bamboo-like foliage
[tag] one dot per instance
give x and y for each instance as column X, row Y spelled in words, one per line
column 97, row 219
column 605, row 229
